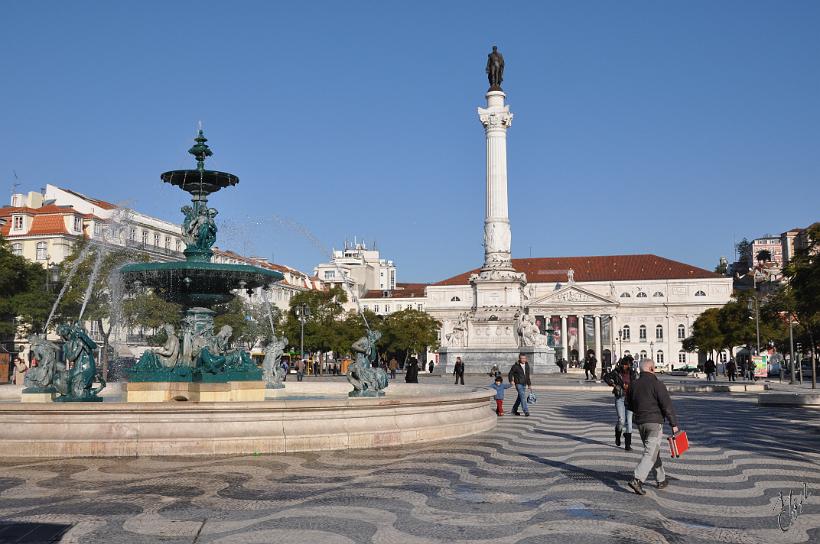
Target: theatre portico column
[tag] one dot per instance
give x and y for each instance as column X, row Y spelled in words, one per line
column 564, row 341
column 598, row 350
column 581, row 339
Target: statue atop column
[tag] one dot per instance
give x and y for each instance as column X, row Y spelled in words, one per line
column 495, row 69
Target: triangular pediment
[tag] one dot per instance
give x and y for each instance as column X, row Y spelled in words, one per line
column 573, row 294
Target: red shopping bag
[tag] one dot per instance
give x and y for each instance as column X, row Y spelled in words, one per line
column 678, row 443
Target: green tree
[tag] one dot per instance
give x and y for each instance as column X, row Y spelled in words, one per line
column 323, row 330
column 249, row 320
column 744, row 251
column 764, row 256
column 706, row 333
column 147, row 310
column 24, row 302
column 409, row 331
column 803, row 273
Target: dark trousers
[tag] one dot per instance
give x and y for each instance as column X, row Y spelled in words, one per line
column 460, row 377
column 731, row 376
column 393, row 373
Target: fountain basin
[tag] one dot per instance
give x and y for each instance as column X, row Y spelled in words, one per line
column 318, row 416
column 198, row 283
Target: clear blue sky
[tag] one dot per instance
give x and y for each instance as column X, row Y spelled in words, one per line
column 661, row 127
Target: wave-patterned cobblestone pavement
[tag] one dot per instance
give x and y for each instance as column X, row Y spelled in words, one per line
column 553, row 477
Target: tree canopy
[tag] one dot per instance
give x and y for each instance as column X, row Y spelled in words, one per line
column 23, row 295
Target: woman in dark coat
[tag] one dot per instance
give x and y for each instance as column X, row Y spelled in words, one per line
column 411, row 374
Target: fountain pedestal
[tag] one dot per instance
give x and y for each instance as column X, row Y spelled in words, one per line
column 239, row 391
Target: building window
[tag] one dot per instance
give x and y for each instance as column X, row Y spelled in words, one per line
column 365, row 307
column 330, row 274
column 455, row 299
column 723, row 356
column 421, row 307
column 145, row 237
column 658, row 294
column 641, row 295
column 642, row 333
column 17, row 249
column 167, row 243
column 700, row 294
column 42, row 251
column 681, row 356
column 625, row 332
column 659, row 332
column 97, row 229
column 681, row 332
column 643, row 354
column 179, row 246
column 78, row 224
column 387, row 308
column 18, row 222
column 156, row 239
column 625, row 295
column 659, row 357
column 376, row 308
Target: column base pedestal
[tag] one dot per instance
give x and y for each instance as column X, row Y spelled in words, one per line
column 481, row 360
column 243, row 391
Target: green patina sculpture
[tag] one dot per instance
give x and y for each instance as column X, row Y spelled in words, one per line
column 196, row 353
column 73, row 377
column 367, row 380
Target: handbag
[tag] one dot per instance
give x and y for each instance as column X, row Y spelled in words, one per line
column 678, row 443
column 531, row 399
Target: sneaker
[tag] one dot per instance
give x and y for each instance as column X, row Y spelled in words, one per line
column 527, row 414
column 664, row 484
column 516, row 413
column 636, row 486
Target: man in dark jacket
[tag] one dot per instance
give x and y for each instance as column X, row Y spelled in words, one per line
column 520, row 376
column 411, row 375
column 458, row 371
column 710, row 368
column 650, row 403
column 620, row 380
column 590, row 362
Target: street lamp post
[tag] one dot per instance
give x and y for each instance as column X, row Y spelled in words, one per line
column 620, row 343
column 302, row 312
column 791, row 349
column 652, row 350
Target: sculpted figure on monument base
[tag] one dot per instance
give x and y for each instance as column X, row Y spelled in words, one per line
column 495, row 69
column 40, row 378
column 272, row 370
column 75, row 384
column 366, row 380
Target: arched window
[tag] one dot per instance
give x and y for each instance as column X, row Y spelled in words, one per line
column 626, row 353
column 681, row 356
column 641, row 295
column 681, row 332
column 658, row 294
column 700, row 294
column 455, row 299
column 625, row 295
column 17, row 248
column 659, row 332
column 643, row 354
column 659, row 356
column 42, row 251
column 625, row 332
column 642, row 333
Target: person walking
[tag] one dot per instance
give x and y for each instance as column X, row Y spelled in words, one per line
column 458, row 371
column 411, row 373
column 394, row 366
column 620, row 379
column 651, row 405
column 431, row 366
column 300, row 369
column 520, row 376
column 711, row 370
column 499, row 386
column 731, row 370
column 590, row 362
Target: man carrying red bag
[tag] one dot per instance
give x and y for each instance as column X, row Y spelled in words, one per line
column 650, row 403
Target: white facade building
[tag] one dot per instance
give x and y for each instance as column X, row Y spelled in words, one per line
column 357, row 270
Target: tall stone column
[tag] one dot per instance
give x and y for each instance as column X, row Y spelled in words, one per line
column 581, row 339
column 496, row 118
column 564, row 339
column 598, row 350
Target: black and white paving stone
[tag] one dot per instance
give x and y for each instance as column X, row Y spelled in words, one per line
column 553, row 477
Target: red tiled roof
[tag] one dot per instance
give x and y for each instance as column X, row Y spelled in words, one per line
column 598, row 268
column 47, row 224
column 402, row 290
column 48, row 208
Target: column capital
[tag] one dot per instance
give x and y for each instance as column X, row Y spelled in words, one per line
column 495, row 118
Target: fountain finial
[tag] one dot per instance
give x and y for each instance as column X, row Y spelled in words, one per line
column 200, row 150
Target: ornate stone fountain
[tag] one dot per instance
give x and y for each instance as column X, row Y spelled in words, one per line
column 198, row 364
